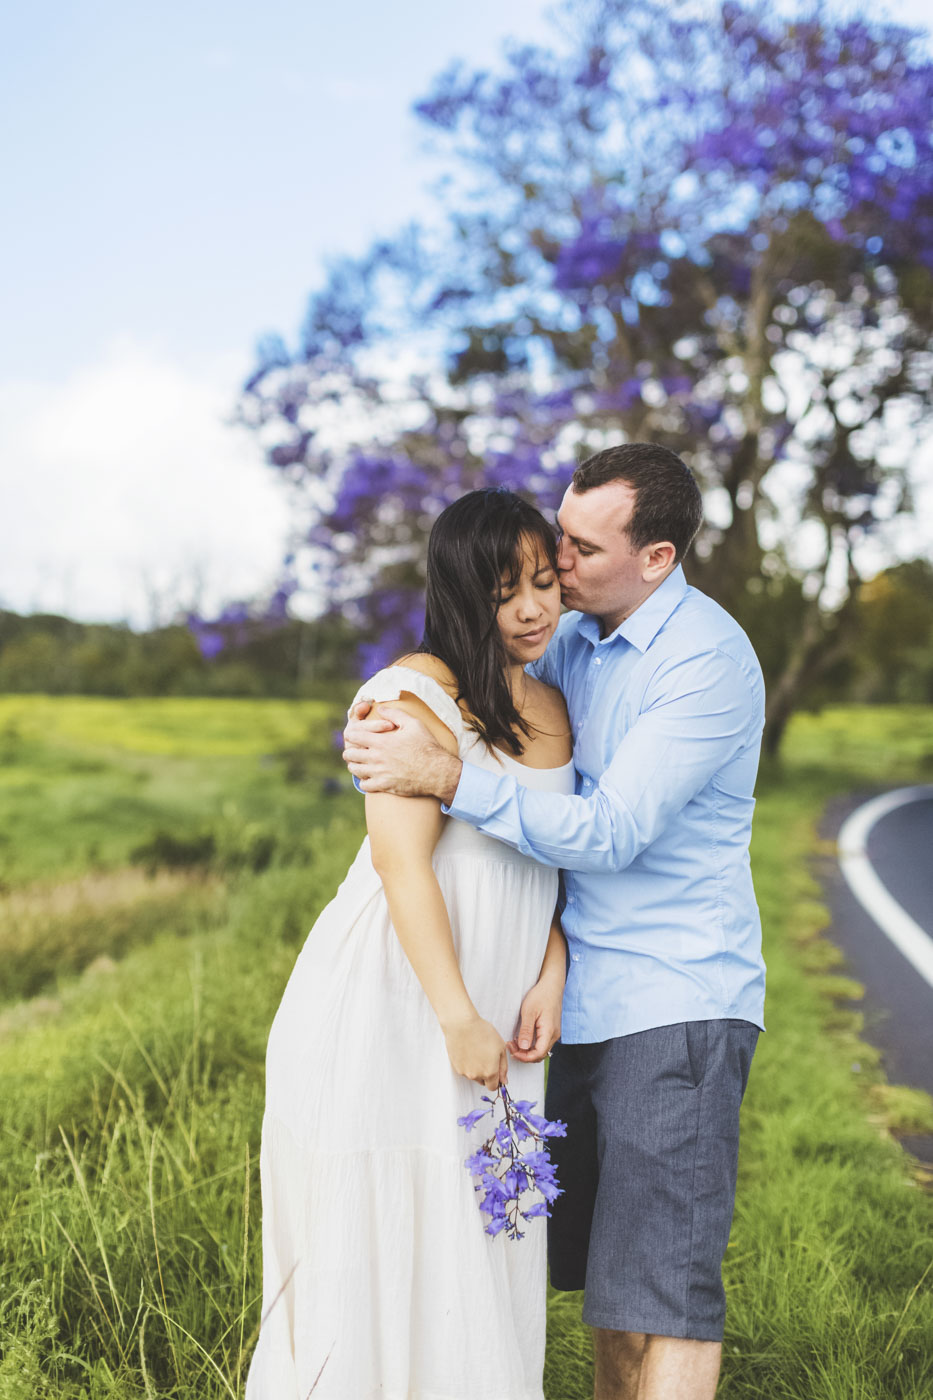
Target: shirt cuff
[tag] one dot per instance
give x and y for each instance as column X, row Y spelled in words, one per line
column 474, row 797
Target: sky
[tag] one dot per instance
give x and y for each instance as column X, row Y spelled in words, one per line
column 174, row 179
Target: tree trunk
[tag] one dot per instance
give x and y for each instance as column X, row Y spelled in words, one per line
column 818, row 650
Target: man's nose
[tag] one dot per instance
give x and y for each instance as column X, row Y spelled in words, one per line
column 564, row 561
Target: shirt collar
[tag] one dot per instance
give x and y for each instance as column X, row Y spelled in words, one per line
column 642, row 626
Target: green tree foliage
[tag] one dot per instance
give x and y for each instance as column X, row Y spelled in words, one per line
column 56, row 656
column 894, row 623
column 711, row 229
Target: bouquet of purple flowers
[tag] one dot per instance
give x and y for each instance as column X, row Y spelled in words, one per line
column 512, row 1163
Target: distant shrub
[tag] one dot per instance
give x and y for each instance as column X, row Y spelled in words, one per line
column 175, row 852
column 236, row 845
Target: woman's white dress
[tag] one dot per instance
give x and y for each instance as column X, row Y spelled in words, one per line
column 378, row 1277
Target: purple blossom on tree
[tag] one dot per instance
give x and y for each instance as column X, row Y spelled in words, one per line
column 713, row 231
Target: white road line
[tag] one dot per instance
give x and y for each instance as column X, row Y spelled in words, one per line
column 904, row 932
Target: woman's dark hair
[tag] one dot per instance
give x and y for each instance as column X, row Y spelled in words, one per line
column 474, row 550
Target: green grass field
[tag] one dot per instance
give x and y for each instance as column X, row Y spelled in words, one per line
column 161, row 862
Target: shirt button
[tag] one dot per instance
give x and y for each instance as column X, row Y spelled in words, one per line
column 576, row 957
column 598, row 661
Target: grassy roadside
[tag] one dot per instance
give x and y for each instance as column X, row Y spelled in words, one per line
column 130, row 1109
column 831, row 1259
column 829, row 1272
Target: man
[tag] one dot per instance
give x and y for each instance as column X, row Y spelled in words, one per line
column 665, row 983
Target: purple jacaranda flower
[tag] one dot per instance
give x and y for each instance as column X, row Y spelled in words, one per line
column 504, row 1174
column 210, row 644
column 469, row 1120
column 544, row 1126
column 479, row 1163
column 515, row 1181
column 495, row 1188
column 549, row 1189
column 538, row 1161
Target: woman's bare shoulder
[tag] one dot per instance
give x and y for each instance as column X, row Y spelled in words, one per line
column 435, row 669
column 547, row 698
column 432, row 666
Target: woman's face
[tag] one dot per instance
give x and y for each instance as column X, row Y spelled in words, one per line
column 530, row 607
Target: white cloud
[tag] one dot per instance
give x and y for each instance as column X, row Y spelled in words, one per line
column 123, row 491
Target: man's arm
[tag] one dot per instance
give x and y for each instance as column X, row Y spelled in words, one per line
column 701, row 713
column 395, row 753
column 409, row 764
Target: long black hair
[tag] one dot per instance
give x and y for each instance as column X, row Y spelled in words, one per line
column 476, row 549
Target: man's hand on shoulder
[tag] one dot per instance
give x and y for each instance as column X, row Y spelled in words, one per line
column 392, row 751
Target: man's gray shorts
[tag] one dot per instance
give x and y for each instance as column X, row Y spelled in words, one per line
column 648, row 1170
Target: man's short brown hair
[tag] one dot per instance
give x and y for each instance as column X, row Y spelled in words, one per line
column 668, row 505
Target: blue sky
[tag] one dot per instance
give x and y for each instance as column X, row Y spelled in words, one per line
column 180, row 170
column 174, row 177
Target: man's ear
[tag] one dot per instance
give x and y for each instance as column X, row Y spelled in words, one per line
column 659, row 559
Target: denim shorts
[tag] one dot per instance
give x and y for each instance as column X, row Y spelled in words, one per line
column 648, row 1172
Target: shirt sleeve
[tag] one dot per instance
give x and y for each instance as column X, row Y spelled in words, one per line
column 699, row 713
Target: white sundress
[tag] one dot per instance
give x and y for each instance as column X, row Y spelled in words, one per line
column 378, row 1277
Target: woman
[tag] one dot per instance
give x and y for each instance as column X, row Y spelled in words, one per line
column 379, row 1279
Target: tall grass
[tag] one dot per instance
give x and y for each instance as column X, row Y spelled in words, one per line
column 127, row 1160
column 51, row 931
column 130, row 1107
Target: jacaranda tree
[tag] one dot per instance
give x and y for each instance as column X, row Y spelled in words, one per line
column 713, row 232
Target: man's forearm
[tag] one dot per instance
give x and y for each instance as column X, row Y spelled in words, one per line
column 447, row 777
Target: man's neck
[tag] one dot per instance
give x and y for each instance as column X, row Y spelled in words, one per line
column 609, row 623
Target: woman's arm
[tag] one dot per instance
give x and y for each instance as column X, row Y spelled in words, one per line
column 403, row 832
column 539, row 1020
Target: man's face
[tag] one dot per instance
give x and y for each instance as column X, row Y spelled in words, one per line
column 599, row 571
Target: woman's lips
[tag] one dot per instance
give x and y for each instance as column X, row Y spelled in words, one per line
column 533, row 637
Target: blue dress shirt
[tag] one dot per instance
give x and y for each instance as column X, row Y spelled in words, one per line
column 660, row 915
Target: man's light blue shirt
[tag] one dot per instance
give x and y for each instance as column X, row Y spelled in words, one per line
column 660, row 916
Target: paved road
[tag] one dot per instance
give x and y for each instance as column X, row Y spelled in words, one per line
column 898, row 998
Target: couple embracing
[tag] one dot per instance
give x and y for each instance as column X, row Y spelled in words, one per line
column 618, row 745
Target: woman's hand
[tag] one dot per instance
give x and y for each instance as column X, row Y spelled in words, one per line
column 539, row 1021
column 477, row 1051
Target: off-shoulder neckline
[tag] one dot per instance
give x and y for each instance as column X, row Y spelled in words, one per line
column 528, row 767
